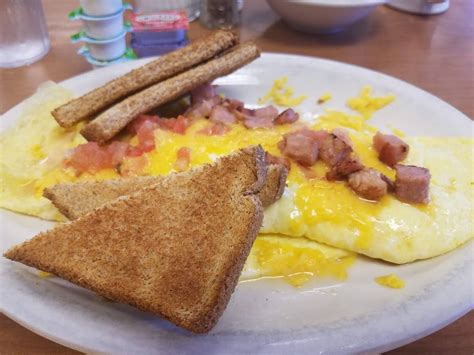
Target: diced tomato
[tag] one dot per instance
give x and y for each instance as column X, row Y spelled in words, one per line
column 117, row 151
column 134, row 166
column 183, row 152
column 183, row 159
column 134, row 151
column 135, row 125
column 166, row 123
column 146, row 137
column 147, row 146
column 177, row 125
column 90, row 157
column 181, row 125
column 143, row 127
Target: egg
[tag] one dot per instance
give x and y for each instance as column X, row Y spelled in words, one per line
column 391, row 230
column 296, row 260
column 317, row 226
column 30, row 149
column 31, row 155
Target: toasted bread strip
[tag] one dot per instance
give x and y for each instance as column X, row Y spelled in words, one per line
column 176, row 251
column 88, row 105
column 74, row 200
column 112, row 121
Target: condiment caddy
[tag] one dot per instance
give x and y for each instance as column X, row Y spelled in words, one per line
column 103, row 32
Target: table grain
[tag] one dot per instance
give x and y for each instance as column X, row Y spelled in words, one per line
column 435, row 53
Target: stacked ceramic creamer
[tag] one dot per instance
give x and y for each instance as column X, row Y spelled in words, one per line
column 103, row 32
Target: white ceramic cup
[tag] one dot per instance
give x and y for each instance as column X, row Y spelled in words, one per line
column 109, row 50
column 424, row 7
column 100, row 7
column 105, row 27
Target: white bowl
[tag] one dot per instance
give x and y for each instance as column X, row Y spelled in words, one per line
column 322, row 16
column 423, row 7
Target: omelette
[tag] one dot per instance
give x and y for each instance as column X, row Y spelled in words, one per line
column 316, row 228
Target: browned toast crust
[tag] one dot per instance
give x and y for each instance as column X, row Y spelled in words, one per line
column 274, row 186
column 76, row 199
column 168, row 65
column 113, row 120
column 175, row 251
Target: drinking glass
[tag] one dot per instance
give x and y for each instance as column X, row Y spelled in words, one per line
column 24, row 36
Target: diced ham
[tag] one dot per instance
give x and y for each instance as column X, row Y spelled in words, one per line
column 287, row 116
column 368, row 183
column 222, row 114
column 347, row 165
column 319, row 136
column 258, row 118
column 203, row 92
column 216, row 129
column 391, row 149
column 202, row 109
column 183, row 156
column 389, row 182
column 233, row 104
column 333, row 149
column 412, row 184
column 268, row 112
column 336, row 151
column 252, row 122
column 343, row 135
column 301, row 146
column 273, row 159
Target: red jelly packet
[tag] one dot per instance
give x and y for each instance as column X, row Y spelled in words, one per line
column 160, row 21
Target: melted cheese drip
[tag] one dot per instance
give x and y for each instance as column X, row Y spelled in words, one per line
column 296, row 260
column 391, row 280
column 318, row 200
column 205, row 149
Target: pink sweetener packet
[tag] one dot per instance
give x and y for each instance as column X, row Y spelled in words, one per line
column 162, row 21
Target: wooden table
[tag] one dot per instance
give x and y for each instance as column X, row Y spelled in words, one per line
column 435, row 53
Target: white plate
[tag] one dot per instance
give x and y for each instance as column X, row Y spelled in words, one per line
column 265, row 316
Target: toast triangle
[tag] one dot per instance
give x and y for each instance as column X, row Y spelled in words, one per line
column 176, row 250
